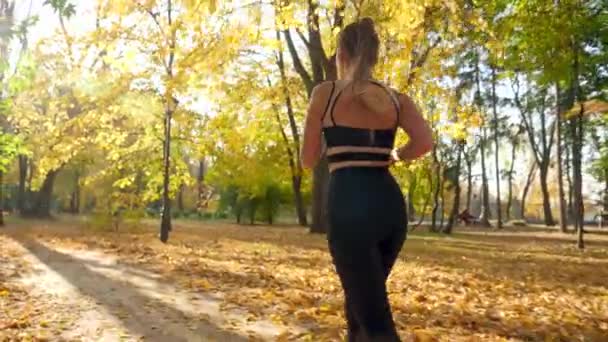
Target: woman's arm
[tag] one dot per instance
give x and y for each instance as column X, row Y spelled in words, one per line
column 412, row 122
column 311, row 145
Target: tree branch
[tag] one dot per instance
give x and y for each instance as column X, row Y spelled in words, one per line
column 419, row 62
column 528, row 126
column 297, row 62
column 303, row 37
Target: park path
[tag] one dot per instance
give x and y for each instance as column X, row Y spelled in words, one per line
column 100, row 299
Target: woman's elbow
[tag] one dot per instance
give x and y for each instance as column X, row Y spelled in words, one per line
column 424, row 146
column 308, row 162
column 427, row 145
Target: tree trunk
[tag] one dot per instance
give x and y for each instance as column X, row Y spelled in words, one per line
column 75, row 196
column 322, row 68
column 456, row 205
column 296, row 182
column 165, row 225
column 442, row 217
column 1, row 199
column 200, row 178
column 170, row 105
column 568, row 163
column 293, row 153
column 605, row 206
column 578, row 181
column 496, row 150
column 42, row 202
column 510, row 182
column 544, row 171
column 180, row 199
column 437, row 190
column 23, row 167
column 563, row 219
column 527, row 186
column 469, row 163
column 485, row 200
column 485, row 204
column 577, row 146
column 411, row 210
column 422, row 216
column 73, row 201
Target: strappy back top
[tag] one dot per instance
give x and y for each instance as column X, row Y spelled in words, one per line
column 353, row 146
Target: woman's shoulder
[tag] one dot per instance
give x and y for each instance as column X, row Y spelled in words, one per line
column 323, row 87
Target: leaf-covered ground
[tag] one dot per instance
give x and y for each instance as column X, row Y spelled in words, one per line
column 266, row 283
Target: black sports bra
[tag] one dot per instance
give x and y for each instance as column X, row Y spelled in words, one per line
column 353, row 137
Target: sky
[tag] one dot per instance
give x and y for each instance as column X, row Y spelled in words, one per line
column 84, row 20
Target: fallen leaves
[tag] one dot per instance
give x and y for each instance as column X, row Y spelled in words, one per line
column 24, row 316
column 461, row 288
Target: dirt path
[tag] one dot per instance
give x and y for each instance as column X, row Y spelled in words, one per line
column 96, row 298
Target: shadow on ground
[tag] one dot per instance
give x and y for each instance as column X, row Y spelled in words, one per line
column 163, row 323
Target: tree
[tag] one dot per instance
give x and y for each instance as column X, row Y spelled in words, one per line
column 485, row 193
column 563, row 217
column 9, row 148
column 515, row 138
column 295, row 164
column 496, row 145
column 541, row 134
column 321, row 69
column 164, row 33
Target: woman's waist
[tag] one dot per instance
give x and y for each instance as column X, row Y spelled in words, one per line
column 363, row 174
column 364, row 183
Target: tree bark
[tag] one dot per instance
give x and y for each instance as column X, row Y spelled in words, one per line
column 510, row 181
column 42, row 201
column 74, row 201
column 485, row 193
column 568, row 163
column 541, row 146
column 411, row 210
column 170, row 104
column 563, row 219
column 496, row 150
column 200, row 179
column 544, row 172
column 293, row 154
column 469, row 163
column 442, row 217
column 527, row 186
column 456, row 205
column 165, row 225
column 1, row 199
column 485, row 204
column 322, row 68
column 180, row 199
column 23, row 167
column 437, row 189
column 578, row 181
column 605, row 206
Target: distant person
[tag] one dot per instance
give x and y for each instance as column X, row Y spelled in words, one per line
column 359, row 118
column 466, row 217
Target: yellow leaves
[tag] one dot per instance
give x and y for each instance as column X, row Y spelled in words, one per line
column 122, row 7
column 421, row 335
column 202, row 284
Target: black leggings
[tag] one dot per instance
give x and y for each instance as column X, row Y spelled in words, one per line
column 368, row 226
